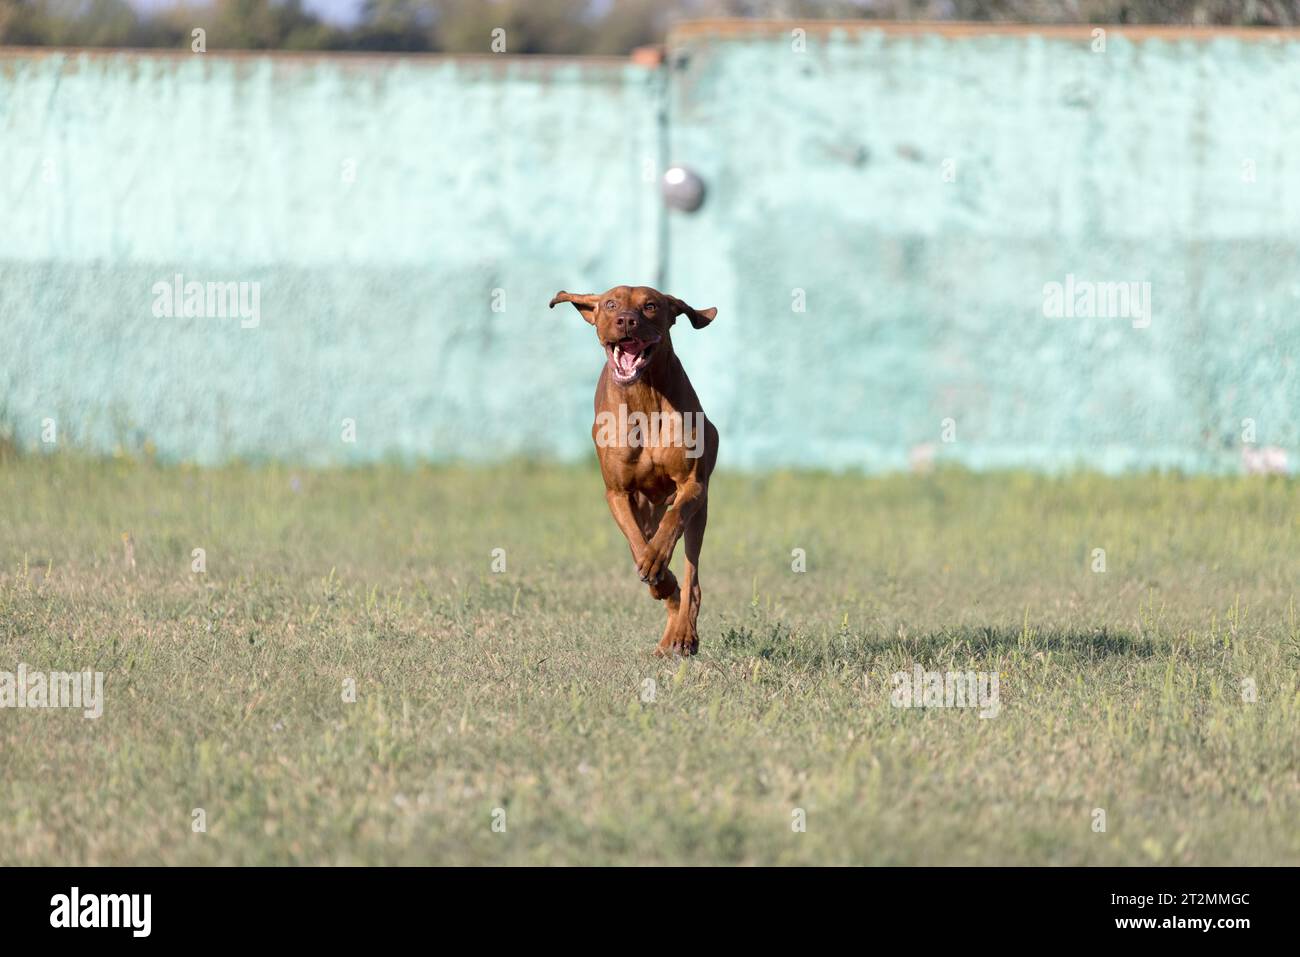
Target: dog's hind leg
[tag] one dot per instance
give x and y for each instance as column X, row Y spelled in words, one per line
column 681, row 636
column 648, row 515
column 666, row 590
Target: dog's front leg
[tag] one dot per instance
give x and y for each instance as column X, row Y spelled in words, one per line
column 653, row 561
column 620, row 506
column 664, row 584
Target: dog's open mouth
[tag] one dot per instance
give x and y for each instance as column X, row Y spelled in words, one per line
column 628, row 357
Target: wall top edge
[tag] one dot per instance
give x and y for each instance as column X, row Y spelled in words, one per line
column 359, row 58
column 736, row 28
column 650, row 57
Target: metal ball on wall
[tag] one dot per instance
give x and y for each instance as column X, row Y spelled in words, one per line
column 683, row 189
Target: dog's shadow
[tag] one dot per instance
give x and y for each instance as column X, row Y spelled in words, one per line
column 777, row 642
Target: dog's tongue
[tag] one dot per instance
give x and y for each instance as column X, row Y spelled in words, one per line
column 626, row 358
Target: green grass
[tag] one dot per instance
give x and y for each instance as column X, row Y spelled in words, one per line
column 523, row 690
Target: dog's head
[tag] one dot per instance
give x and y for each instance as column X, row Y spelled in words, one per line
column 632, row 323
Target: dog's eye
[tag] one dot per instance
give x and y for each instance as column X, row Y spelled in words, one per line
column 649, row 307
column 611, row 304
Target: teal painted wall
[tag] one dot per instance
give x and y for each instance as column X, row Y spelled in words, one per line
column 379, row 204
column 924, row 297
column 826, row 175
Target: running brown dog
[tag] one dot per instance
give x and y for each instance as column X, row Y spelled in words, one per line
column 656, row 448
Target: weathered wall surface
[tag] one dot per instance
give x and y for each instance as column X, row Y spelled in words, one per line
column 385, row 207
column 917, row 191
column 924, row 291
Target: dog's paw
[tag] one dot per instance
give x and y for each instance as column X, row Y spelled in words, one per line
column 652, row 563
column 678, row 645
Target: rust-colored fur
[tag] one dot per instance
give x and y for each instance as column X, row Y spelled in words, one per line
column 657, row 486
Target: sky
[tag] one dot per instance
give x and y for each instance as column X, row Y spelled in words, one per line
column 335, row 11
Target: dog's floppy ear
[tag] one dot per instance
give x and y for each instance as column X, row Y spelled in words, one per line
column 699, row 318
column 584, row 304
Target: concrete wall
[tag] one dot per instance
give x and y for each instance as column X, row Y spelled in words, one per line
column 917, row 190
column 378, row 203
column 924, row 292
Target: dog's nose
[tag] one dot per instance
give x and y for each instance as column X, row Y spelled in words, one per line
column 625, row 321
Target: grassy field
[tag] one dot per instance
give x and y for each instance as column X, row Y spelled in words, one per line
column 525, row 690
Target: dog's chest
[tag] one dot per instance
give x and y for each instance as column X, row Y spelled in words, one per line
column 645, row 450
column 657, row 437
column 648, row 471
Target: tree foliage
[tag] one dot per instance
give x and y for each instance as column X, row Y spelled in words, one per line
column 545, row 26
